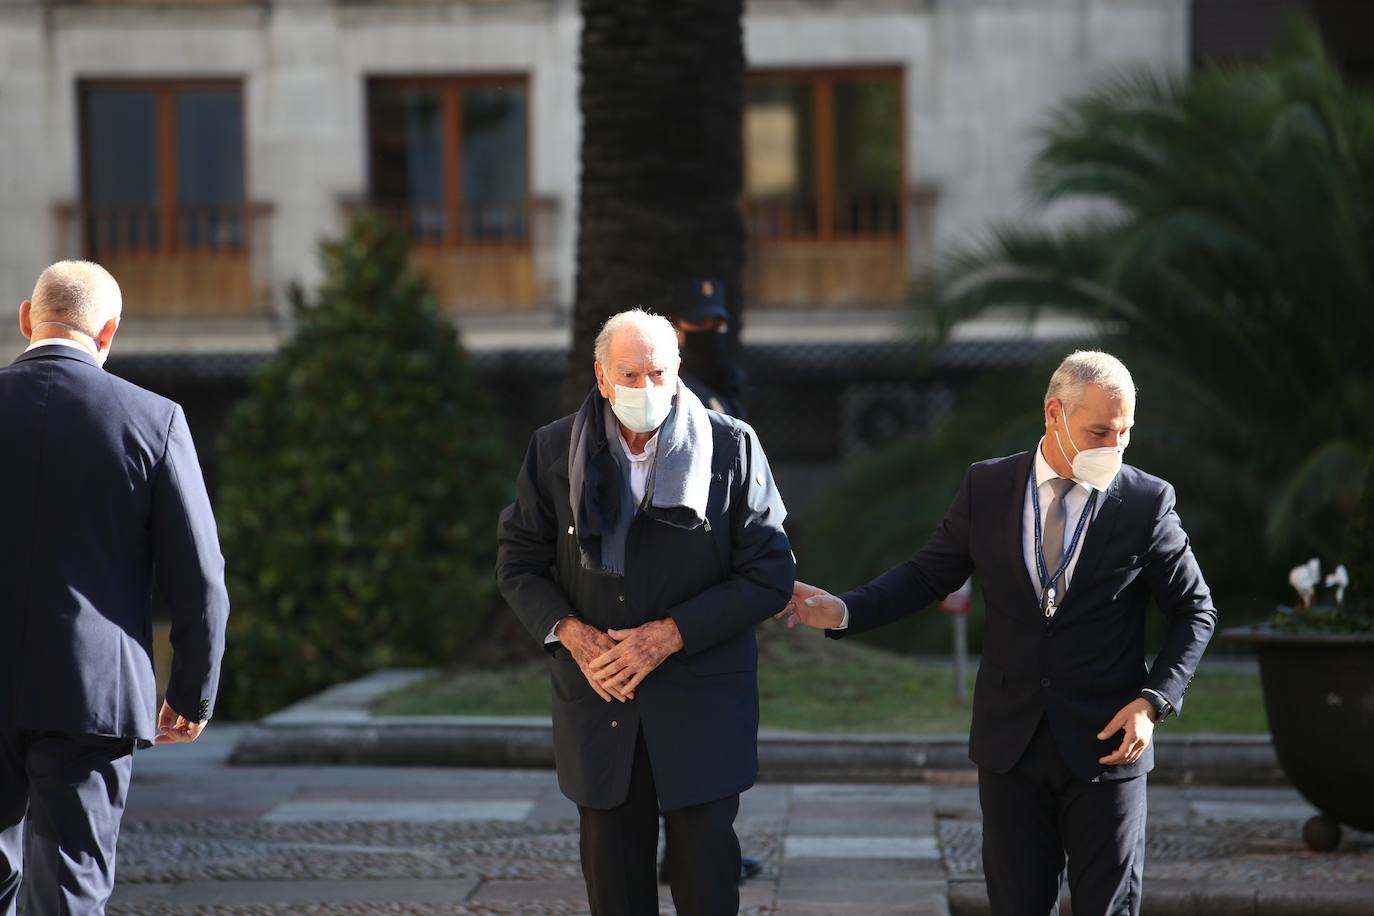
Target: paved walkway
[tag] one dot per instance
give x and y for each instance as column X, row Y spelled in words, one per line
column 202, row 837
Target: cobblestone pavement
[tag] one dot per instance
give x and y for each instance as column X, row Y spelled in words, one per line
column 203, row 838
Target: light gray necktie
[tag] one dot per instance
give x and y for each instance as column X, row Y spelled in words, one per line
column 1052, row 538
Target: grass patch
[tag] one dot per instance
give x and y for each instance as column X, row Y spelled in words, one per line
column 811, row 684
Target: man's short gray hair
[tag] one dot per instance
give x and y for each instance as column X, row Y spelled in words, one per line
column 654, row 328
column 80, row 293
column 1088, row 367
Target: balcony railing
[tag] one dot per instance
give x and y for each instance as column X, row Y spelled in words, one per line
column 490, row 257
column 845, row 251
column 506, row 224
column 182, row 261
column 849, row 217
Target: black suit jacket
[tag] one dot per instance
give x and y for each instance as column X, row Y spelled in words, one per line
column 1081, row 668
column 700, row 709
column 105, row 501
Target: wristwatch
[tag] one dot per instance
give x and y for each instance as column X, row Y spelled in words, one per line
column 1161, row 706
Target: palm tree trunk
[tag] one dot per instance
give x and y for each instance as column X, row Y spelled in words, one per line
column 661, row 98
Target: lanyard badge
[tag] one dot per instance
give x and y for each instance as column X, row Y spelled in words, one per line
column 1049, row 593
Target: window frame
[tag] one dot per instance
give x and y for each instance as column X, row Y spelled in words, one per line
column 825, row 154
column 450, row 87
column 166, row 164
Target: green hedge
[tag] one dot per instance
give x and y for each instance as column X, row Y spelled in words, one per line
column 361, row 484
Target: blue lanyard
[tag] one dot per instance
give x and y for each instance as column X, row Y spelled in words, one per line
column 1046, row 580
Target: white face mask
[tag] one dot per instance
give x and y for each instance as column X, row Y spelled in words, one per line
column 1097, row 467
column 643, row 410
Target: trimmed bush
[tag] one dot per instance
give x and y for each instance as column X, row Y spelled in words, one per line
column 361, row 483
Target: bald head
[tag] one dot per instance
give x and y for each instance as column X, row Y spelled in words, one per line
column 75, row 300
column 79, row 293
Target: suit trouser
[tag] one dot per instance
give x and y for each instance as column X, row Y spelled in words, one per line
column 1040, row 812
column 620, row 849
column 61, row 800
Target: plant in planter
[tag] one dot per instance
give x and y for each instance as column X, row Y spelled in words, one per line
column 1315, row 662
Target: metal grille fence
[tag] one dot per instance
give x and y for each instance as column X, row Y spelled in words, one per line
column 815, row 406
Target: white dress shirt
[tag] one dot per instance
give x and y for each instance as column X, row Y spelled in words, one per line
column 640, row 465
column 1074, row 503
column 59, row 341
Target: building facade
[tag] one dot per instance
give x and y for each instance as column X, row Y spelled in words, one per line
column 202, row 148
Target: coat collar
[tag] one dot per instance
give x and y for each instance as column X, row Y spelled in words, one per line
column 1095, row 541
column 57, row 351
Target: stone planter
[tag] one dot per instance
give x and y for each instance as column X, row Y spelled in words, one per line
column 1319, row 694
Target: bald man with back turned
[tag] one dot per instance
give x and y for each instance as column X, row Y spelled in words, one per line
column 105, row 503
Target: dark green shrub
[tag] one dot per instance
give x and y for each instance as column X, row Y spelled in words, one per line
column 361, row 484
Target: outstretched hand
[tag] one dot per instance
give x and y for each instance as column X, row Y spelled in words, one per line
column 812, row 607
column 1134, row 718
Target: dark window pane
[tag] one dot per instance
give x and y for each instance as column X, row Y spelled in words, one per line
column 778, row 159
column 121, row 169
column 868, row 156
column 493, row 162
column 406, row 145
column 209, row 137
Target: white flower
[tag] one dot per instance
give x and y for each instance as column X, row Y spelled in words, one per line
column 1305, row 579
column 1340, row 579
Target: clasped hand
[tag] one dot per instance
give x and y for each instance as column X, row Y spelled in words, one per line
column 616, row 662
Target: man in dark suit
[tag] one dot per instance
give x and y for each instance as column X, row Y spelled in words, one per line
column 644, row 545
column 106, row 501
column 1069, row 546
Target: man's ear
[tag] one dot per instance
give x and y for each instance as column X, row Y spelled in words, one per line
column 602, row 385
column 106, row 334
column 26, row 319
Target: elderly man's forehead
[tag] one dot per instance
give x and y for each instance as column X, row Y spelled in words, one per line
column 632, row 345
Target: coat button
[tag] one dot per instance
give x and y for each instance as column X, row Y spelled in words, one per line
column 1044, row 682
column 614, row 724
column 620, row 598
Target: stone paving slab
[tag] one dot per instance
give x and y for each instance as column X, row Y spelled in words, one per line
column 302, row 893
column 860, row 847
column 838, row 893
column 414, row 812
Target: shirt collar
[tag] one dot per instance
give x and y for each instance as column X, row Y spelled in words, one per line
column 1044, row 472
column 55, row 341
column 649, row 447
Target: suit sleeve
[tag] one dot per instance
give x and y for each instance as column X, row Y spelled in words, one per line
column 940, row 567
column 189, row 571
column 762, row 566
column 527, row 552
column 1176, row 582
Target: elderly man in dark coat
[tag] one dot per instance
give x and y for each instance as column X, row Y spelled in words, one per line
column 644, row 545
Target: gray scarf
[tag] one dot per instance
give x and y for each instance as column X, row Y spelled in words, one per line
column 599, row 482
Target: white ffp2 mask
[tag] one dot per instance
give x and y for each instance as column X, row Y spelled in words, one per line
column 1097, row 467
column 643, row 410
